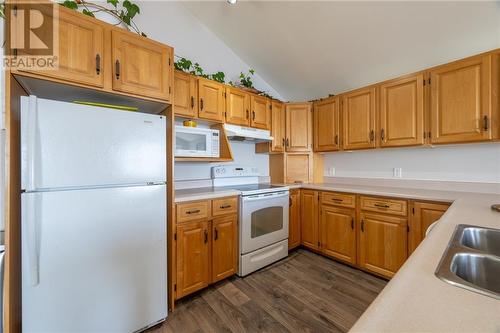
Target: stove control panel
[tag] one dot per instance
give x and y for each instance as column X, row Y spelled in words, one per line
column 226, row 171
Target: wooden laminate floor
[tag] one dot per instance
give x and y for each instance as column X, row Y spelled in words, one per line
column 302, row 293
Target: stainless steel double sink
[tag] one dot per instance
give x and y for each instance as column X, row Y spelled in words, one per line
column 472, row 260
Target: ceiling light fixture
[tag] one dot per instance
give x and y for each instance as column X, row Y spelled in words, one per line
column 232, row 2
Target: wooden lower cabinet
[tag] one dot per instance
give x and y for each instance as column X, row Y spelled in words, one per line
column 294, row 220
column 338, row 235
column 382, row 243
column 206, row 248
column 192, row 257
column 224, row 249
column 309, row 219
column 423, row 215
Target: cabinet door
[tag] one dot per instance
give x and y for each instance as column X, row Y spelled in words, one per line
column 298, row 168
column 294, row 220
column 237, row 107
column 261, row 108
column 141, row 66
column 224, row 247
column 211, row 100
column 278, row 127
column 185, row 99
column 298, row 127
column 358, row 114
column 424, row 214
column 81, row 48
column 383, row 243
column 192, row 257
column 326, row 125
column 402, row 112
column 309, row 220
column 460, row 101
column 338, row 236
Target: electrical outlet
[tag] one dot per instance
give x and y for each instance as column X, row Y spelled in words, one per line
column 397, row 172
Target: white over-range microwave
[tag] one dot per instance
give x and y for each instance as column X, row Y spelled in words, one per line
column 196, row 142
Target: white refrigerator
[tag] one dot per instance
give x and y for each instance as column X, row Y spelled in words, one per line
column 94, row 252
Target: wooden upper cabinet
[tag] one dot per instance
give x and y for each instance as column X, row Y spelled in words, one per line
column 358, row 113
column 294, row 220
column 338, row 235
column 224, row 247
column 237, row 107
column 141, row 66
column 424, row 214
column 260, row 109
column 192, row 257
column 211, row 100
column 278, row 124
column 326, row 121
column 185, row 95
column 309, row 219
column 383, row 243
column 81, row 48
column 460, row 101
column 402, row 111
column 298, row 127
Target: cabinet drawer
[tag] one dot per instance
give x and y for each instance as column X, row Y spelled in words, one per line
column 338, row 199
column 193, row 211
column 384, row 205
column 224, row 206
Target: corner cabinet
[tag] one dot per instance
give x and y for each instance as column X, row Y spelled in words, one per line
column 460, row 101
column 358, row 114
column 423, row 215
column 141, row 66
column 326, row 125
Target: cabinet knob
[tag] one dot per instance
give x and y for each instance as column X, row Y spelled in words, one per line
column 372, row 135
column 117, row 69
column 382, row 134
column 216, row 234
column 192, row 102
column 336, row 139
column 362, row 226
column 206, row 236
column 98, row 64
column 201, row 103
column 486, row 123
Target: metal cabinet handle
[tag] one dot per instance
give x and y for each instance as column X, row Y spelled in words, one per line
column 194, row 211
column 283, row 142
column 337, row 199
column 117, row 69
column 372, row 135
column 287, row 143
column 253, row 115
column 290, row 201
column 192, row 102
column 98, row 64
column 352, row 223
column 216, row 234
column 382, row 134
column 206, row 236
column 201, row 103
column 362, row 226
column 248, row 114
column 486, row 123
column 336, row 139
column 225, row 206
column 381, row 205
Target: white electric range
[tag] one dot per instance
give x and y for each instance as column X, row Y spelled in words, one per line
column 263, row 223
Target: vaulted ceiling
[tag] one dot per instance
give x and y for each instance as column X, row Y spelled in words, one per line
column 309, row 49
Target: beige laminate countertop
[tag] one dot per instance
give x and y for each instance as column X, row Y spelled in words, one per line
column 415, row 300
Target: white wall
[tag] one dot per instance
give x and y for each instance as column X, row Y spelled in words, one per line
column 469, row 163
column 244, row 154
column 171, row 23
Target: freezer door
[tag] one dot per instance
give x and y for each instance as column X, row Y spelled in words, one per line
column 94, row 260
column 69, row 145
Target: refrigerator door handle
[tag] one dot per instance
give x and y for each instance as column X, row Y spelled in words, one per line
column 30, row 238
column 31, row 143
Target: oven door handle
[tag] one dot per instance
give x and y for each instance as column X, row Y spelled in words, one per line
column 267, row 196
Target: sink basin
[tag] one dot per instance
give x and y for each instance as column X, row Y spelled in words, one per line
column 482, row 239
column 478, row 270
column 472, row 260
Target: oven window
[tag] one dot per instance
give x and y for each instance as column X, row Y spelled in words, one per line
column 267, row 220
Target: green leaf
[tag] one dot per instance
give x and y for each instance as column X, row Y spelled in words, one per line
column 113, row 2
column 88, row 12
column 2, row 10
column 70, row 4
column 251, row 71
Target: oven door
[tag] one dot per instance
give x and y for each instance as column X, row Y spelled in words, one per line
column 264, row 220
